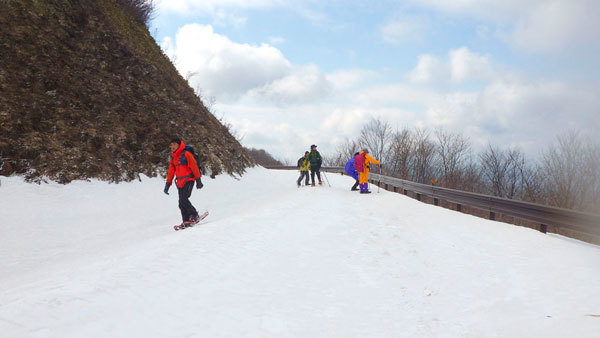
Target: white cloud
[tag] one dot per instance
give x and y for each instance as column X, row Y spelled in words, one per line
column 429, row 68
column 466, row 65
column 404, row 28
column 489, row 10
column 518, row 111
column 225, row 18
column 301, row 85
column 190, row 6
column 558, row 26
column 344, row 121
column 276, row 40
column 393, row 96
column 536, row 26
column 462, row 65
column 349, row 78
column 230, row 70
column 508, row 110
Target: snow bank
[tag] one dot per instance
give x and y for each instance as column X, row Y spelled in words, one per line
column 93, row 259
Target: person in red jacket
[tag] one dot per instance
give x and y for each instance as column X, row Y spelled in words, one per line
column 184, row 168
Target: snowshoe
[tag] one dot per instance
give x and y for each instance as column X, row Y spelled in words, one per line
column 193, row 221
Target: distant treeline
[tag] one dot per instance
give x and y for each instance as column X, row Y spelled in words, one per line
column 567, row 175
column 262, row 157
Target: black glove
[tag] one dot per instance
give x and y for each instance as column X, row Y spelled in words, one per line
column 167, row 186
column 199, row 184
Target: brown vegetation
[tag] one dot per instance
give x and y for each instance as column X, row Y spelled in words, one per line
column 86, row 92
column 263, row 158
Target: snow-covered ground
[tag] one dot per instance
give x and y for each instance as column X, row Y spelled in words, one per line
column 93, row 259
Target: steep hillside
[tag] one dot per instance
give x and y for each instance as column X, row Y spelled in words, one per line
column 86, row 92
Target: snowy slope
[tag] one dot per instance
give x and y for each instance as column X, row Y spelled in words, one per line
column 92, row 259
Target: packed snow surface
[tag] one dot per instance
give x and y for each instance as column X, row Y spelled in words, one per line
column 92, row 259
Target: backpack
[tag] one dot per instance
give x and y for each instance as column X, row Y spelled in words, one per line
column 359, row 162
column 300, row 160
column 183, row 160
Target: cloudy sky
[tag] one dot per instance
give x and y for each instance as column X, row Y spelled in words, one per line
column 287, row 74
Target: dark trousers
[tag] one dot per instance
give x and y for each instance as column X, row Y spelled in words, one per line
column 303, row 174
column 186, row 207
column 313, row 171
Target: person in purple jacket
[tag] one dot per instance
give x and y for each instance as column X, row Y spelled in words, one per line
column 350, row 170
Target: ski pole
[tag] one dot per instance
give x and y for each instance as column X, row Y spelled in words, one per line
column 326, row 179
column 379, row 178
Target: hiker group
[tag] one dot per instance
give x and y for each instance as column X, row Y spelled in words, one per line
column 312, row 161
column 357, row 167
column 184, row 168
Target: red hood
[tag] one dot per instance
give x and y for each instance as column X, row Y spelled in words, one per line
column 177, row 152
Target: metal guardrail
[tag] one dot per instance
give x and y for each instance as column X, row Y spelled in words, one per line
column 581, row 222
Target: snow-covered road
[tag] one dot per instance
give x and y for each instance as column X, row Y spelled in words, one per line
column 93, row 259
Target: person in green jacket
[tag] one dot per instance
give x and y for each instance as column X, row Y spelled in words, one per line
column 303, row 165
column 315, row 160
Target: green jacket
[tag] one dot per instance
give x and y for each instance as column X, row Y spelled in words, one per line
column 315, row 159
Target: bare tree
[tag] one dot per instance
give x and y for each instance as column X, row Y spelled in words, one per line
column 400, row 157
column 571, row 169
column 494, row 166
column 343, row 153
column 592, row 174
column 424, row 157
column 532, row 182
column 376, row 136
column 452, row 151
column 472, row 177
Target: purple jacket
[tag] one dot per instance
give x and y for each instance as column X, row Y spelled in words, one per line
column 350, row 170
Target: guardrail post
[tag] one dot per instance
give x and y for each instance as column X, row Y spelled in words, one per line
column 458, row 207
column 492, row 216
column 386, row 187
column 405, row 192
column 395, row 189
column 543, row 228
column 418, row 197
column 436, row 201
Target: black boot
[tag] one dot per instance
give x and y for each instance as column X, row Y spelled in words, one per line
column 354, row 187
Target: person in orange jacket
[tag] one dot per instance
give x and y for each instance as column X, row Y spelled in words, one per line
column 183, row 167
column 362, row 163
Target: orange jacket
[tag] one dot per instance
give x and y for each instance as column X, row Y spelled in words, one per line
column 368, row 161
column 182, row 172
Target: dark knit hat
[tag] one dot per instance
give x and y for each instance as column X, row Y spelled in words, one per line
column 176, row 140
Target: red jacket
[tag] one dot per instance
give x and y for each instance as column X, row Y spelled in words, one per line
column 182, row 172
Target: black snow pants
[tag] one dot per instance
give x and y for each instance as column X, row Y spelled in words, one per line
column 186, row 207
column 316, row 170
